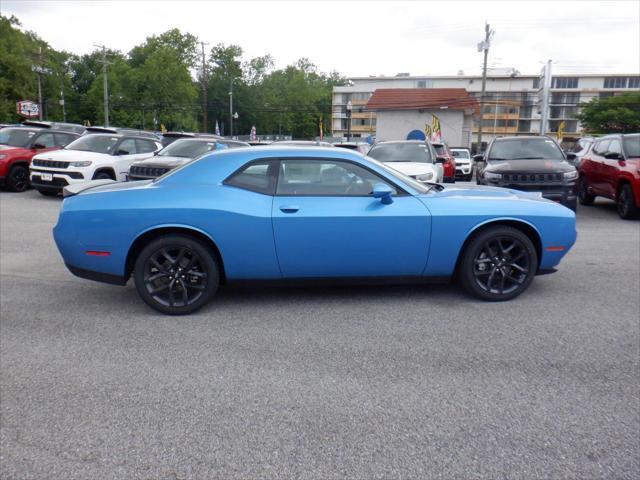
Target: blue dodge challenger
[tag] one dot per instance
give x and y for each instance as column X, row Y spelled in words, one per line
column 291, row 214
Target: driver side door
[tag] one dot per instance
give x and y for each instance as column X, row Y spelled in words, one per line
column 326, row 223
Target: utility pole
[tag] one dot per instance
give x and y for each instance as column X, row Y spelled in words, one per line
column 62, row 103
column 205, row 103
column 105, row 83
column 483, row 46
column 39, row 70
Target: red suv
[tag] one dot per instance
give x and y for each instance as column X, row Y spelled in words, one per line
column 611, row 169
column 18, row 145
column 442, row 149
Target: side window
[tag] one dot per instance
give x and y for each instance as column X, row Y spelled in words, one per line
column 259, row 177
column 145, row 146
column 127, row 147
column 46, row 140
column 63, row 139
column 615, row 147
column 326, row 178
column 600, row 148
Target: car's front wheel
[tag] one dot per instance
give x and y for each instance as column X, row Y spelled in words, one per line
column 498, row 264
column 176, row 274
column 627, row 208
column 18, row 179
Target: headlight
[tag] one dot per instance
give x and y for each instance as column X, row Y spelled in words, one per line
column 571, row 175
column 425, row 177
column 492, row 176
column 80, row 164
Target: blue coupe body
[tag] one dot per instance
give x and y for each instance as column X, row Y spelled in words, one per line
column 309, row 225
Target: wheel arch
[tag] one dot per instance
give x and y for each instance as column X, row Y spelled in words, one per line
column 108, row 170
column 154, row 232
column 525, row 227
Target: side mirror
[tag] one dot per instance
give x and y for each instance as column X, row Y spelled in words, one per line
column 612, row 156
column 478, row 158
column 571, row 156
column 39, row 146
column 441, row 159
column 383, row 192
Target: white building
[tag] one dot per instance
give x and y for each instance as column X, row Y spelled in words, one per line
column 511, row 100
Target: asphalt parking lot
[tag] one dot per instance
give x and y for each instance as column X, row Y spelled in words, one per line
column 384, row 382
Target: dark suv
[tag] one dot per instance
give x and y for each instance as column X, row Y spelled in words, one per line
column 611, row 169
column 530, row 163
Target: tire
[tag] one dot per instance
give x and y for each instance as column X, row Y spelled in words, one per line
column 492, row 277
column 584, row 197
column 102, row 176
column 627, row 207
column 176, row 274
column 468, row 178
column 572, row 205
column 48, row 193
column 18, row 179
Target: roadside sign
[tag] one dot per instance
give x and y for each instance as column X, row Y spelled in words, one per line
column 27, row 108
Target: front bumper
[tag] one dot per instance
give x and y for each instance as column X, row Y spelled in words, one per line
column 563, row 193
column 463, row 170
column 60, row 179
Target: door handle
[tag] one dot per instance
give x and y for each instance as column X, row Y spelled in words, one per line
column 289, row 208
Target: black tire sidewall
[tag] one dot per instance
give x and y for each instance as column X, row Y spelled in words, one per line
column 472, row 248
column 630, row 209
column 584, row 197
column 208, row 260
column 10, row 178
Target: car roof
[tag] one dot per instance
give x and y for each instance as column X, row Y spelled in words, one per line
column 34, row 128
column 389, row 142
column 522, row 137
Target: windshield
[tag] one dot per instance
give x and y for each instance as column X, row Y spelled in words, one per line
column 632, row 145
column 525, row 149
column 16, row 137
column 460, row 154
column 188, row 148
column 417, row 186
column 94, row 143
column 401, row 152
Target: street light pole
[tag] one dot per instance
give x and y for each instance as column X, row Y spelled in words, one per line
column 231, row 108
column 349, row 108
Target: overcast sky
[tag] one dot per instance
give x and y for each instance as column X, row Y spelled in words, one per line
column 360, row 38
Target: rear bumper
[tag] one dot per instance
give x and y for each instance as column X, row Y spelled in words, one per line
column 97, row 276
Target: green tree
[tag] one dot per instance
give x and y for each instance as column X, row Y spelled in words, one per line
column 615, row 114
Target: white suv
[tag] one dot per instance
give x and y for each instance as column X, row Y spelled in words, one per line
column 91, row 157
column 464, row 165
column 414, row 158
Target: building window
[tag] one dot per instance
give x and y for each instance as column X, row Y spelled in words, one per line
column 564, row 82
column 524, row 126
column 622, row 82
column 536, row 82
column 605, row 94
column 565, row 98
column 563, row 112
column 569, row 125
column 634, row 82
column 422, row 84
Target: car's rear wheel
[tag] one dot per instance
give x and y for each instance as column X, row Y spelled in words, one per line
column 584, row 197
column 627, row 208
column 176, row 274
column 498, row 264
column 18, row 179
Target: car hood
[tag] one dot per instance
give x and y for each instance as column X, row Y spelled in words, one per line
column 9, row 150
column 164, row 161
column 411, row 168
column 538, row 166
column 72, row 156
column 480, row 192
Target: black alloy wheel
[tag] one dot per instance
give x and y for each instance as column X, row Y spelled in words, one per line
column 627, row 208
column 584, row 197
column 498, row 264
column 176, row 274
column 18, row 179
